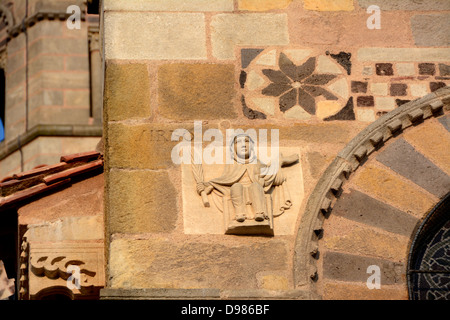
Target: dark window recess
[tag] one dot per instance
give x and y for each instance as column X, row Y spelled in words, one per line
column 2, row 104
column 93, row 7
column 429, row 260
column 9, row 246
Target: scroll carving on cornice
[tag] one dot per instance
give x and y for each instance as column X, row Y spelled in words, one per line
column 55, row 266
column 51, row 266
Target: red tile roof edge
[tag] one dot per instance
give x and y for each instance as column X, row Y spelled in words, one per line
column 48, row 177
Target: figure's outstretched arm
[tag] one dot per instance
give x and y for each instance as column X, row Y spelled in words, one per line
column 289, row 160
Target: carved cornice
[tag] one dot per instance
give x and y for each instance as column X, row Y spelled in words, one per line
column 328, row 188
column 49, row 262
column 37, row 17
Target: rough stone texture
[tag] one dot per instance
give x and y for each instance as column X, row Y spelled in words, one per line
column 405, row 69
column 155, row 36
column 262, row 5
column 405, row 160
column 431, row 30
column 127, row 91
column 365, row 101
column 140, row 146
column 379, row 89
column 359, row 87
column 190, row 91
column 429, row 5
column 163, row 262
column 445, row 121
column 404, row 54
column 343, row 235
column 398, row 89
column 82, row 199
column 354, row 206
column 353, row 268
column 352, row 291
column 141, row 202
column 251, row 29
column 385, row 103
column 427, row 69
column 432, row 140
column 384, row 69
column 329, row 5
column 169, row 5
column 391, row 189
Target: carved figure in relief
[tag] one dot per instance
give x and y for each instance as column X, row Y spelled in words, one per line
column 256, row 191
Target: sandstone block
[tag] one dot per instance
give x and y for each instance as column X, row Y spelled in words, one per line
column 140, row 202
column 127, row 91
column 169, row 5
column 404, row 54
column 431, row 30
column 251, row 29
column 353, row 268
column 140, row 146
column 162, row 262
column 155, row 36
column 429, row 5
column 263, row 5
column 352, row 291
column 329, row 5
column 402, row 158
column 353, row 206
column 346, row 236
column 393, row 190
column 193, row 91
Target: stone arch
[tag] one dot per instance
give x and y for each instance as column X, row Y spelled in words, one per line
column 334, row 191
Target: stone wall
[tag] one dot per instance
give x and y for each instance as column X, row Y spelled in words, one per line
column 312, row 70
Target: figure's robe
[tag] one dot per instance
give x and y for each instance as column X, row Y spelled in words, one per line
column 273, row 184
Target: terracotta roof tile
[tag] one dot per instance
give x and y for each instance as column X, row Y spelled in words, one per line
column 81, row 156
column 41, row 179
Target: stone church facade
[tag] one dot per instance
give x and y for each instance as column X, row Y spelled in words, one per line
column 293, row 149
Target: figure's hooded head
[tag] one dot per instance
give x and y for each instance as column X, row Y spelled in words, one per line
column 243, row 148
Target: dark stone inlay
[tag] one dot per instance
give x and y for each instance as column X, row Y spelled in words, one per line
column 427, row 69
column 347, row 113
column 445, row 121
column 276, row 76
column 402, row 158
column 306, row 101
column 248, row 55
column 400, row 102
column 381, row 113
column 288, row 100
column 353, row 268
column 242, row 78
column 296, row 73
column 365, row 101
column 384, row 69
column 319, row 79
column 343, row 58
column 360, row 207
column 444, row 69
column 250, row 113
column 398, row 89
column 436, row 86
column 276, row 89
column 359, row 87
column 319, row 91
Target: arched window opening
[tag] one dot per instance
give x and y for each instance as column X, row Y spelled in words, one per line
column 429, row 260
